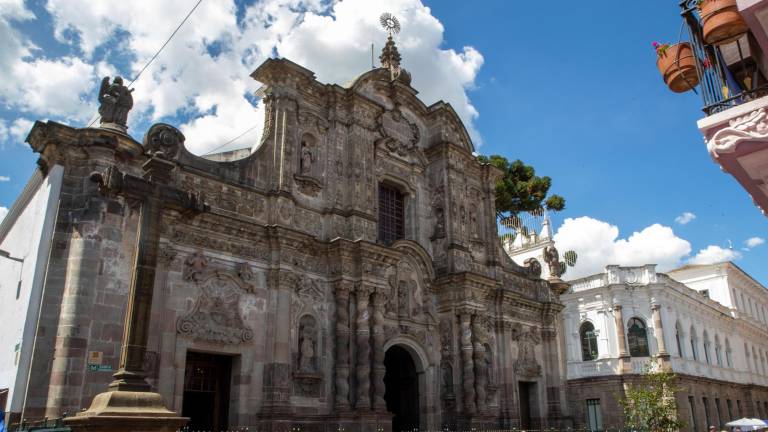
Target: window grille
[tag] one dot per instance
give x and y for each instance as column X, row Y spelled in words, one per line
column 391, row 214
column 594, row 416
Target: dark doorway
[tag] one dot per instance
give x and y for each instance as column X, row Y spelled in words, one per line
column 206, row 391
column 402, row 389
column 527, row 392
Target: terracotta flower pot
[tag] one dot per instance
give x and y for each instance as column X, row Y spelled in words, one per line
column 678, row 67
column 721, row 21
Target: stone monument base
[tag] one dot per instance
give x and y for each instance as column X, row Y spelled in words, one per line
column 119, row 411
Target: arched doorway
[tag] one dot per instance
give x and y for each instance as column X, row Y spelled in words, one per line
column 401, row 382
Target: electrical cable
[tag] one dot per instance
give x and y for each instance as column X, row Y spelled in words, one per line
column 158, row 51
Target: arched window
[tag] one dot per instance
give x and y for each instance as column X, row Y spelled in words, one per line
column 588, row 341
column 748, row 358
column 637, row 338
column 718, row 352
column 706, row 347
column 728, row 353
column 679, row 338
column 694, row 341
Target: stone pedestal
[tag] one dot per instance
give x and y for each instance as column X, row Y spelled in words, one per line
column 119, row 411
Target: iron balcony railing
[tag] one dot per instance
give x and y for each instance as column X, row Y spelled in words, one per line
column 717, row 86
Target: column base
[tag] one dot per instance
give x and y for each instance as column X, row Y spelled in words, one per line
column 626, row 364
column 123, row 411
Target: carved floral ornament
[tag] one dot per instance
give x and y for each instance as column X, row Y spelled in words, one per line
column 750, row 127
column 216, row 315
column 399, row 136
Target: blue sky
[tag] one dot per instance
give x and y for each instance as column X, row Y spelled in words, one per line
column 573, row 91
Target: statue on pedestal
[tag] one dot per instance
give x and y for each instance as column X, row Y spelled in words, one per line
column 115, row 101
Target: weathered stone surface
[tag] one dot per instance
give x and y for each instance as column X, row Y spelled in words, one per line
column 275, row 262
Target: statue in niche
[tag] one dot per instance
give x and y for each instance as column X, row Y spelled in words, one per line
column 418, row 300
column 307, row 354
column 402, row 298
column 307, row 344
column 115, row 101
column 473, row 222
column 306, row 159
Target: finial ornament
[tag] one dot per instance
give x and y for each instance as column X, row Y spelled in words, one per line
column 390, row 57
column 390, row 23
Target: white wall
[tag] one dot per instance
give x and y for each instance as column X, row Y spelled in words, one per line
column 28, row 236
column 636, row 289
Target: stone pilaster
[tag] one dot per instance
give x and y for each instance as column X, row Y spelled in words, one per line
column 342, row 345
column 467, row 363
column 478, row 356
column 277, row 372
column 379, row 302
column 363, row 339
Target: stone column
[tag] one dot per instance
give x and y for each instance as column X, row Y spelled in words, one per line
column 621, row 336
column 656, row 310
column 342, row 345
column 363, row 336
column 379, row 302
column 478, row 355
column 468, row 367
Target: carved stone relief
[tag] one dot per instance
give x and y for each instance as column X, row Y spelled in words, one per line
column 526, row 364
column 216, row 314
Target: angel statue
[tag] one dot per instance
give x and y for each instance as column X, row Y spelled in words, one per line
column 552, row 258
column 115, row 100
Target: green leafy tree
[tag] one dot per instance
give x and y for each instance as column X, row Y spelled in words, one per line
column 650, row 405
column 520, row 189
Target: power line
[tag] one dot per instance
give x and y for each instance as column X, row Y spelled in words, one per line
column 158, row 51
column 232, row 140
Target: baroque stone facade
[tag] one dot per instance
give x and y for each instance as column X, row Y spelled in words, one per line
column 275, row 263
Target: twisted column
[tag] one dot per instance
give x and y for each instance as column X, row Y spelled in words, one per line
column 379, row 302
column 468, row 367
column 363, row 349
column 481, row 372
column 342, row 345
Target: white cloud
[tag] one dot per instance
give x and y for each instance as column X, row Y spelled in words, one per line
column 714, row 254
column 4, row 179
column 15, row 132
column 331, row 38
column 684, row 218
column 597, row 244
column 754, row 241
column 3, row 212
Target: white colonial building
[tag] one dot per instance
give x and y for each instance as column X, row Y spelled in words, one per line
column 617, row 321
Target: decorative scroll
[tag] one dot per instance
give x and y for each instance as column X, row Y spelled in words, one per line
column 752, row 126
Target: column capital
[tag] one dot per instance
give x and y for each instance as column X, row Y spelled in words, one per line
column 617, row 307
column 655, row 306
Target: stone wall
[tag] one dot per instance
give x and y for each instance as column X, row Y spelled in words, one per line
column 752, row 400
column 284, row 271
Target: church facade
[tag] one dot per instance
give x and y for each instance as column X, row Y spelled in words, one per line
column 347, row 273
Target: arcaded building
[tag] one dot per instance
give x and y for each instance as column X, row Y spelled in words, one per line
column 346, row 273
column 619, row 321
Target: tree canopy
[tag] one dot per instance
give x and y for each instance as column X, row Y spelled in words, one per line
column 650, row 405
column 520, row 189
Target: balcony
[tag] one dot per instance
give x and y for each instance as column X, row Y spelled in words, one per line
column 730, row 76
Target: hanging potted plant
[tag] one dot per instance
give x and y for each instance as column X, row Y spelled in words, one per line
column 677, row 66
column 721, row 21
